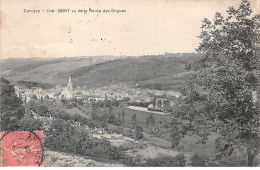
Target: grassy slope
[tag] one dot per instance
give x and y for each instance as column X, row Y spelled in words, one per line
column 161, row 72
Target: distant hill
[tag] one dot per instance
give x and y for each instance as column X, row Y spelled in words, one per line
column 155, row 71
column 52, row 71
column 11, row 63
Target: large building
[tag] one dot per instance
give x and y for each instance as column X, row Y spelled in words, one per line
column 67, row 92
column 161, row 104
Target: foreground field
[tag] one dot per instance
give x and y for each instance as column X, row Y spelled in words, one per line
column 60, row 159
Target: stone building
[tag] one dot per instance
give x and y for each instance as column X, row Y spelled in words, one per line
column 67, row 92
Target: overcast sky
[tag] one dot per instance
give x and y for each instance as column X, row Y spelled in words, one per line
column 147, row 27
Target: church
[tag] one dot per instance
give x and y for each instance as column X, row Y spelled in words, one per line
column 67, row 92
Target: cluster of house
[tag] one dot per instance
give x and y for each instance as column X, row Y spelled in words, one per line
column 114, row 91
column 62, row 93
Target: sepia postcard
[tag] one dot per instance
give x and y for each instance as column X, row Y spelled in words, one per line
column 129, row 83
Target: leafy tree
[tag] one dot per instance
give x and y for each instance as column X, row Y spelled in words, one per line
column 139, row 135
column 57, row 114
column 80, row 101
column 111, row 116
column 125, row 99
column 104, row 124
column 112, row 119
column 46, row 97
column 76, row 117
column 34, row 97
column 123, row 116
column 11, row 109
column 63, row 101
column 62, row 136
column 114, row 102
column 147, row 122
column 27, row 123
column 91, row 125
column 32, row 105
column 104, row 117
column 94, row 111
column 138, row 132
column 152, row 119
column 110, row 111
column 198, row 160
column 218, row 97
column 134, row 120
column 107, row 103
column 65, row 116
column 166, row 161
column 118, row 130
column 85, row 121
column 154, row 101
column 42, row 110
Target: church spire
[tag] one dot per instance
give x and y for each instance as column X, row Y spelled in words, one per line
column 69, row 80
column 70, row 85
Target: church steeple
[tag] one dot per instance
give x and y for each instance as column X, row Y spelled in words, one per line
column 70, row 85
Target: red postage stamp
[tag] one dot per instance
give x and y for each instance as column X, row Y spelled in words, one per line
column 22, row 148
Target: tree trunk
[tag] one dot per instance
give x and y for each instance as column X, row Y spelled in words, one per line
column 251, row 153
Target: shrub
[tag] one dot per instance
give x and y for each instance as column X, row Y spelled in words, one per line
column 138, row 132
column 139, row 128
column 76, row 117
column 61, row 136
column 198, row 160
column 140, row 104
column 118, row 130
column 166, row 161
column 114, row 102
column 27, row 123
column 42, row 110
column 139, row 135
column 233, row 161
column 32, row 105
column 64, row 137
column 102, row 150
column 129, row 133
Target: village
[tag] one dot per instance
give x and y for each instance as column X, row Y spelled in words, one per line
column 157, row 100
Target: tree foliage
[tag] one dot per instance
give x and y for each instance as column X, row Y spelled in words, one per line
column 198, row 160
column 62, row 136
column 11, row 109
column 218, row 97
column 27, row 123
column 42, row 110
column 166, row 161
